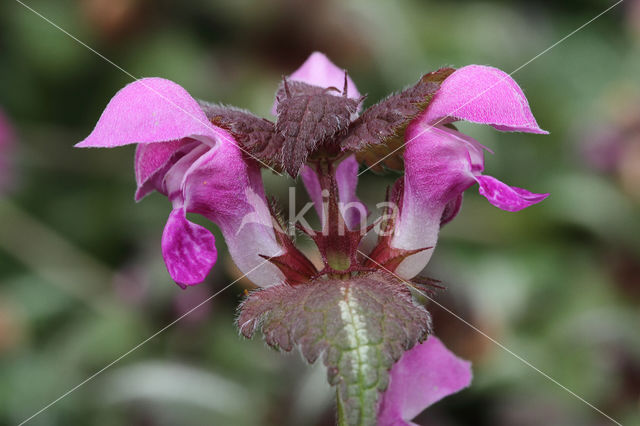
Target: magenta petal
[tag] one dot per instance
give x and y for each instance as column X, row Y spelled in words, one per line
column 505, row 197
column 451, row 210
column 352, row 208
column 223, row 187
column 172, row 183
column 439, row 167
column 188, row 249
column 149, row 110
column 215, row 184
column 152, row 161
column 318, row 70
column 150, row 157
column 312, row 185
column 482, row 94
column 423, row 376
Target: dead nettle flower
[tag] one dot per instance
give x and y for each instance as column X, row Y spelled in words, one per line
column 357, row 311
column 201, row 169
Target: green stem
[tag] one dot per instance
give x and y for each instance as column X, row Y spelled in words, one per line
column 342, row 421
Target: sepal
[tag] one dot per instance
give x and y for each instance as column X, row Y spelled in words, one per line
column 294, row 265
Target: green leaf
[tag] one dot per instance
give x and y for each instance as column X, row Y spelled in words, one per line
column 359, row 326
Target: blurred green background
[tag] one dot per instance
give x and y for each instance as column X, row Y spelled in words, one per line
column 81, row 274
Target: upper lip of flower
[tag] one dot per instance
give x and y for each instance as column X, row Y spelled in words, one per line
column 153, row 161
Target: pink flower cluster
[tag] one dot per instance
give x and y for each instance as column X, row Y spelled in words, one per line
column 203, row 168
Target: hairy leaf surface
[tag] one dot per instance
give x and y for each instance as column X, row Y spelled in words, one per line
column 378, row 134
column 255, row 134
column 309, row 116
column 359, row 326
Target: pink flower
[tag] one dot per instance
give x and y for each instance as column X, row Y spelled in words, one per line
column 424, row 375
column 206, row 159
column 441, row 163
column 200, row 168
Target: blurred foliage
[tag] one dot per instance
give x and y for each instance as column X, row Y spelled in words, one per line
column 81, row 275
